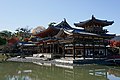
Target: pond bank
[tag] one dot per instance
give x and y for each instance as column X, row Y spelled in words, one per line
column 42, row 60
column 63, row 61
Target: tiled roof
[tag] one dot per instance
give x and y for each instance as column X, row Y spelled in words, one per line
column 94, row 21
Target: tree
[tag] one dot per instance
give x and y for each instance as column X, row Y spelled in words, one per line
column 6, row 34
column 2, row 41
column 115, row 44
column 23, row 33
column 51, row 24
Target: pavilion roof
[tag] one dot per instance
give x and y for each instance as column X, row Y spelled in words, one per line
column 49, row 32
column 63, row 33
column 94, row 22
column 63, row 25
column 53, row 30
column 62, row 29
column 109, row 36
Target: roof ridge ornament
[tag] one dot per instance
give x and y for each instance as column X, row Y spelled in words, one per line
column 93, row 17
column 64, row 19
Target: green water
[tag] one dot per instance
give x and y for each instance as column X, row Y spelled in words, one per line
column 30, row 71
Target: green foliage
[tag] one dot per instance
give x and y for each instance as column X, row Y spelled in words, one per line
column 2, row 41
column 113, row 50
column 6, row 34
column 23, row 33
column 51, row 24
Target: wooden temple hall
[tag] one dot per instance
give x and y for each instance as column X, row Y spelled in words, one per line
column 65, row 41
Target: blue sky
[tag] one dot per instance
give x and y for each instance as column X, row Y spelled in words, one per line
column 33, row 13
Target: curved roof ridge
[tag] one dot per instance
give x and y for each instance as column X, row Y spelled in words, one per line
column 94, row 21
column 64, row 24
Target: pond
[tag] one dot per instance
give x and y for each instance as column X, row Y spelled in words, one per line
column 31, row 71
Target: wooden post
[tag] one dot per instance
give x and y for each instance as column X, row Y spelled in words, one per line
column 50, row 48
column 105, row 51
column 99, row 47
column 84, row 48
column 53, row 49
column 74, row 50
column 73, row 42
column 58, row 47
column 43, row 48
column 63, row 50
column 93, row 48
column 104, row 47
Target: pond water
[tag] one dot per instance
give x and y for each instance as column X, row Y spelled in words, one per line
column 30, row 71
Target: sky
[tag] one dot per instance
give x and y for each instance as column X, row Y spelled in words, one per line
column 33, row 13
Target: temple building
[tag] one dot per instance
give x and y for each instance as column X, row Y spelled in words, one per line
column 65, row 41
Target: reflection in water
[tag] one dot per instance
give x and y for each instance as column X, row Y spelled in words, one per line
column 30, row 71
column 18, row 78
